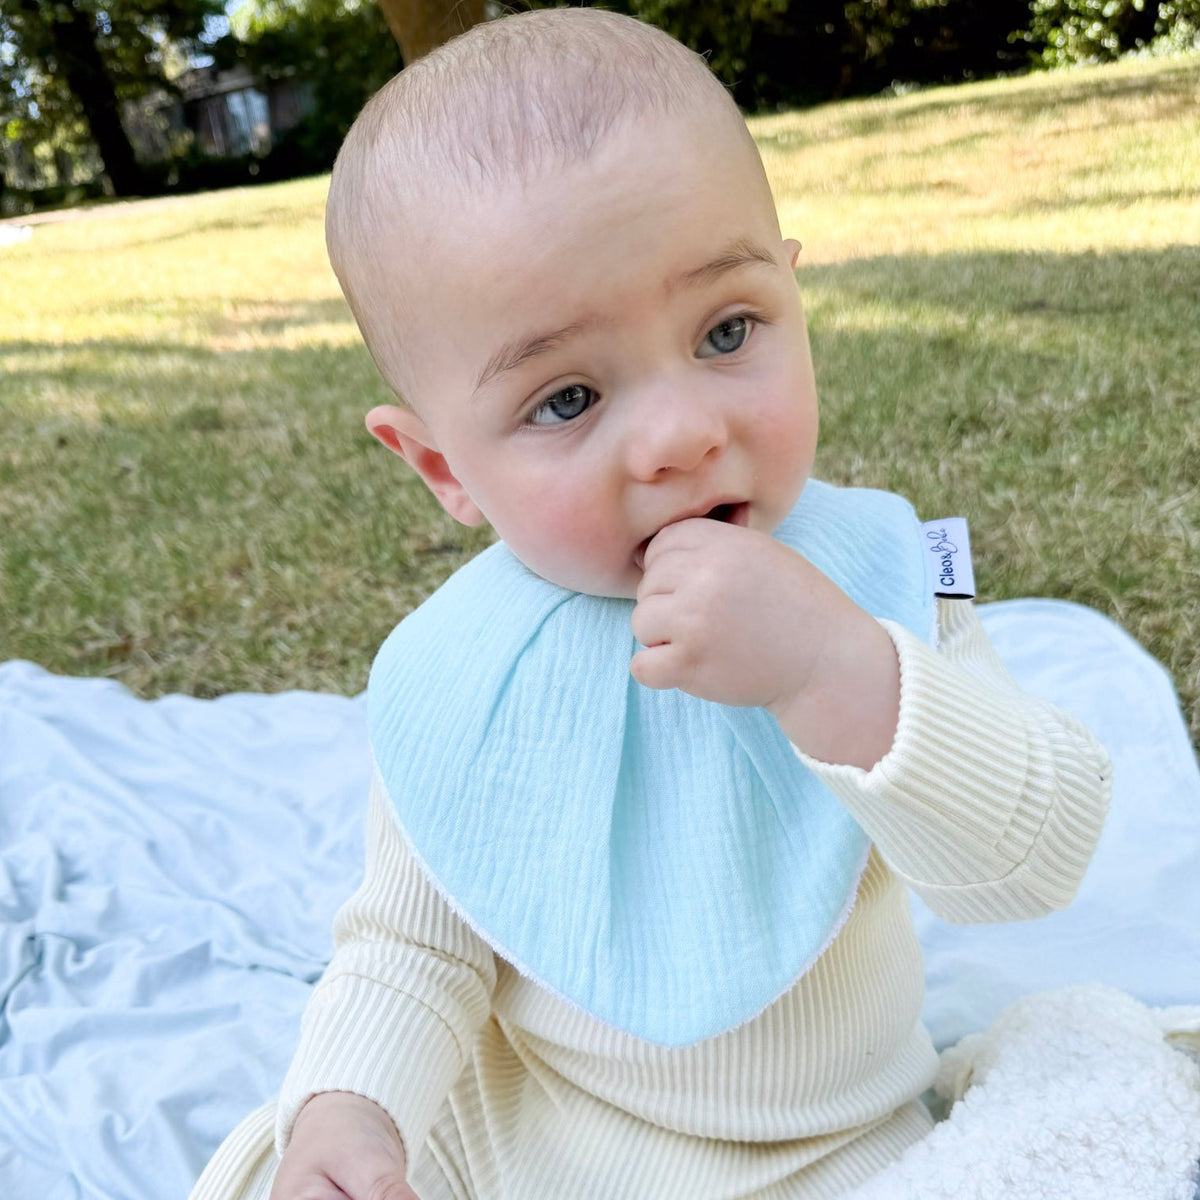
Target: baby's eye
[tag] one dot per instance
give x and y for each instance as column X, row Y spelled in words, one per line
column 725, row 338
column 565, row 405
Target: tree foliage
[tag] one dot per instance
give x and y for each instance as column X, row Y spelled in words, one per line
column 825, row 49
column 1064, row 32
column 67, row 65
column 343, row 49
column 784, row 52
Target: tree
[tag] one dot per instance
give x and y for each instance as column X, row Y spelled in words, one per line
column 1071, row 31
column 422, row 25
column 341, row 49
column 779, row 52
column 69, row 65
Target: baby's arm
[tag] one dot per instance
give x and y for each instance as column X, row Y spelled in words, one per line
column 990, row 802
column 987, row 801
column 391, row 1023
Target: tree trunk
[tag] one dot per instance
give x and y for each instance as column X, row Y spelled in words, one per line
column 422, row 25
column 81, row 65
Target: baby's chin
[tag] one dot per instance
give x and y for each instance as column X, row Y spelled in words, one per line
column 605, row 582
column 623, row 588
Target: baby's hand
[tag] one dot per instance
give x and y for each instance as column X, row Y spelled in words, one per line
column 342, row 1146
column 732, row 615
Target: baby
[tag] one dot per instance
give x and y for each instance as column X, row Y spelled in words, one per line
column 654, row 771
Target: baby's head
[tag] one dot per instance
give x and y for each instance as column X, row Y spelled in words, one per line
column 559, row 243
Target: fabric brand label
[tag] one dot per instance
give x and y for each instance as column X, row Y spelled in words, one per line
column 948, row 542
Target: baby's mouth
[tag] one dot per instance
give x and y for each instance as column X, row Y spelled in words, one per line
column 731, row 514
column 735, row 512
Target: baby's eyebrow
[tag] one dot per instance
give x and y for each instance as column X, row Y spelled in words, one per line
column 741, row 253
column 513, row 354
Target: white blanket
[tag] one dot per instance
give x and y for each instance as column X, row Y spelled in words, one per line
column 169, row 872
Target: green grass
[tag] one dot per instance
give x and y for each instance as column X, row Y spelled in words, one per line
column 1003, row 285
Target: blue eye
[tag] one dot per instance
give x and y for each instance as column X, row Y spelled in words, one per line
column 728, row 336
column 563, row 406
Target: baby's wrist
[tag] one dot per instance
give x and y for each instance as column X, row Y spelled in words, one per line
column 322, row 1106
column 848, row 707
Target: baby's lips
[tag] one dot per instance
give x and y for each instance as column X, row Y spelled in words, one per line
column 730, row 513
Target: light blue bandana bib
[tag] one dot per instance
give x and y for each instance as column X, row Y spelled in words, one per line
column 665, row 863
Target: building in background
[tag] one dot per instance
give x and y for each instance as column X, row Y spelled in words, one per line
column 233, row 113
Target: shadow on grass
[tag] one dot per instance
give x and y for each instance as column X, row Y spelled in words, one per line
column 1129, row 197
column 173, row 230
column 1051, row 399
column 262, row 219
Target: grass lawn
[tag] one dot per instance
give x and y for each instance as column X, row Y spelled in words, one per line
column 1003, row 286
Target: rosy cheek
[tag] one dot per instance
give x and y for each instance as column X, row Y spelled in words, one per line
column 550, row 528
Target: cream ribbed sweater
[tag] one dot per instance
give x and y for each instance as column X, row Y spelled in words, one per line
column 988, row 805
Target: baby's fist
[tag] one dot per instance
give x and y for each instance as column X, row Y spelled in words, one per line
column 343, row 1147
column 723, row 613
column 734, row 616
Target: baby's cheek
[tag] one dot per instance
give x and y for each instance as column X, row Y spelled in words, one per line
column 571, row 540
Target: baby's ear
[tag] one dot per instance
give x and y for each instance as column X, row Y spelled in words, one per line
column 792, row 249
column 405, row 434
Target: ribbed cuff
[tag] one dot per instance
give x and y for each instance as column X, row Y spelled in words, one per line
column 363, row 1033
column 989, row 803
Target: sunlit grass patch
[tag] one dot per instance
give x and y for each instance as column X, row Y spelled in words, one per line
column 1096, row 158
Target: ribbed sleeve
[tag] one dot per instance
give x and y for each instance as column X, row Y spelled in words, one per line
column 395, row 1015
column 989, row 803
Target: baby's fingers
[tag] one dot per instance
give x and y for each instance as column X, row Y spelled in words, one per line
column 660, row 617
column 658, row 667
column 366, row 1178
column 375, row 1172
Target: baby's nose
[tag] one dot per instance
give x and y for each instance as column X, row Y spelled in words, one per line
column 676, row 432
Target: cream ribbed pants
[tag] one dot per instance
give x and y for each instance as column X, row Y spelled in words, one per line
column 503, row 1134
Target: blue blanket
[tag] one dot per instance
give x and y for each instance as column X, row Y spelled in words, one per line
column 169, row 871
column 168, row 876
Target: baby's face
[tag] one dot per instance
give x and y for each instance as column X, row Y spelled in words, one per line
column 610, row 349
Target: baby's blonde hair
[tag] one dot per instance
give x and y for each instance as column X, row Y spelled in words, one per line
column 507, row 100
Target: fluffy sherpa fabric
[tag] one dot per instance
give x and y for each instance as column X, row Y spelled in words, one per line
column 1076, row 1094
